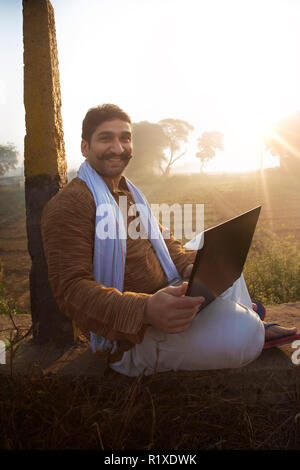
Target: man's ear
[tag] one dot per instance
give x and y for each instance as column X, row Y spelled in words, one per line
column 84, row 148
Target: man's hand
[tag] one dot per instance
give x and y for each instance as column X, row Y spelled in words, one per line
column 187, row 271
column 170, row 311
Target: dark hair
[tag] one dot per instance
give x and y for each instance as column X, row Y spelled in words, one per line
column 95, row 116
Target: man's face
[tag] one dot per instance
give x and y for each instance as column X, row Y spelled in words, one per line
column 110, row 148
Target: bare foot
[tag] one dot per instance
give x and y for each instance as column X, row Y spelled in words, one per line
column 274, row 332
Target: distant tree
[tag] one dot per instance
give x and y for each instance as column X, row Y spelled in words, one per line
column 149, row 142
column 177, row 132
column 8, row 158
column 283, row 140
column 207, row 143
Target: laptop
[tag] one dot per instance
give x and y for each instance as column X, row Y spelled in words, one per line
column 221, row 260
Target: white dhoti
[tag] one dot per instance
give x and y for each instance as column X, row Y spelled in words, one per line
column 225, row 334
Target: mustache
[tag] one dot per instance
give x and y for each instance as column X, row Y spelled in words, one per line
column 124, row 156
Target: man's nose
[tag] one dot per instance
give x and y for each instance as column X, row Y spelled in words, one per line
column 117, row 147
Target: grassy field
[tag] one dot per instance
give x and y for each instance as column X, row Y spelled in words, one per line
column 272, row 269
column 14, row 257
column 212, row 410
column 273, row 265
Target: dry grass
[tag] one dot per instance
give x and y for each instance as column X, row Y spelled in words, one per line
column 180, row 413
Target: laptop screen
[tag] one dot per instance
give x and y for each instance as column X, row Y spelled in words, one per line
column 221, row 260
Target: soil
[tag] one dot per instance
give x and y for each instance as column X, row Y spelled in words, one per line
column 78, row 359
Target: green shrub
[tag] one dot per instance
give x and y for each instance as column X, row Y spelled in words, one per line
column 272, row 270
column 7, row 305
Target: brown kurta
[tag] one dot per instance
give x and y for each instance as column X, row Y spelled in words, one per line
column 68, row 231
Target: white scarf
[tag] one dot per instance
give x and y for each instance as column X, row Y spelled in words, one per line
column 110, row 253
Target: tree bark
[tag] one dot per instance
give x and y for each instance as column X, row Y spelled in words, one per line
column 45, row 163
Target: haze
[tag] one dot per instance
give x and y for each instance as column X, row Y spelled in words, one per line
column 228, row 66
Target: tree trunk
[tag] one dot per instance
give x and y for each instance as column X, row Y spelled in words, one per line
column 45, row 163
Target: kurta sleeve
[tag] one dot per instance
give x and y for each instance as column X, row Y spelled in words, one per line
column 67, row 226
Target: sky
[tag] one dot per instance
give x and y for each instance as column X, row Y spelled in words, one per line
column 231, row 66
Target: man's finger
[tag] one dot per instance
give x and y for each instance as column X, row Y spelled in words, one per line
column 176, row 291
column 187, row 302
column 183, row 314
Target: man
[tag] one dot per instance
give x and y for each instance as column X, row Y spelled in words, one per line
column 114, row 287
